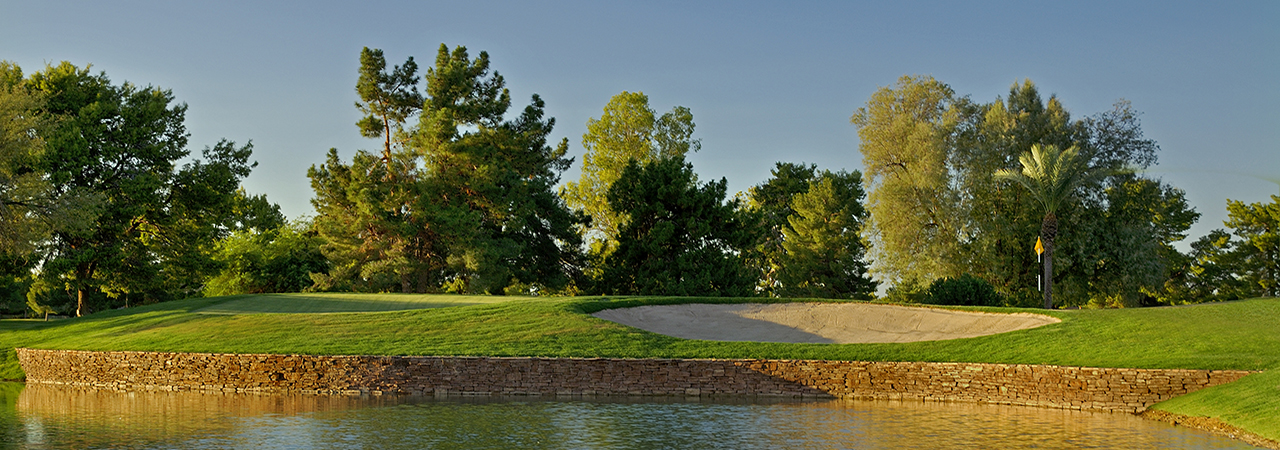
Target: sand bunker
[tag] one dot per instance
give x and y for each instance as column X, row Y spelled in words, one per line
column 825, row 323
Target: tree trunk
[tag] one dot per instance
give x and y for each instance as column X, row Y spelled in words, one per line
column 79, row 303
column 1048, row 275
column 1048, row 232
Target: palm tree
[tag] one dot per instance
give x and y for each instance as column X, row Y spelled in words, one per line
column 1051, row 176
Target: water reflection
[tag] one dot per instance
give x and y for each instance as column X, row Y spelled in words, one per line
column 49, row 417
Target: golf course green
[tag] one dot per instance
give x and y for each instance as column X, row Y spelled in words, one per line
column 1241, row 335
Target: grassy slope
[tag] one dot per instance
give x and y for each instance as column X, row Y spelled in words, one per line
column 1253, row 403
column 1235, row 335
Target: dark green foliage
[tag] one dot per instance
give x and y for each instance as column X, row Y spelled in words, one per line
column 679, row 237
column 773, row 197
column 772, row 201
column 156, row 222
column 1229, row 266
column 965, row 290
column 823, row 255
column 463, row 204
column 810, row 222
column 280, row 259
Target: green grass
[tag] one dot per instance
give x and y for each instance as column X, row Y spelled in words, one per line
column 1233, row 335
column 1252, row 403
column 341, row 302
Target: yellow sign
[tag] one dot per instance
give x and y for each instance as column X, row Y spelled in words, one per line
column 1039, row 246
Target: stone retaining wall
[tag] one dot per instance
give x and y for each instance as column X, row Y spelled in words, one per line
column 1083, row 388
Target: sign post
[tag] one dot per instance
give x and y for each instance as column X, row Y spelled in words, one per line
column 1039, row 259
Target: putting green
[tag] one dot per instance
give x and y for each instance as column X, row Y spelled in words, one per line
column 342, row 302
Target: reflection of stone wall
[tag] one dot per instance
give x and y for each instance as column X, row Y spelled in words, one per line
column 1047, row 386
column 50, row 401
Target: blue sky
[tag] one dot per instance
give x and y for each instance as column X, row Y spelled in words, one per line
column 766, row 82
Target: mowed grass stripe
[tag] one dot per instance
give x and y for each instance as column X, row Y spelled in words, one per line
column 342, row 302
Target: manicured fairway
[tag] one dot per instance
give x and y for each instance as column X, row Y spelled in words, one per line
column 335, row 302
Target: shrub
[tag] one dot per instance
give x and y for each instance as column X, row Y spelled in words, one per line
column 965, row 290
column 905, row 292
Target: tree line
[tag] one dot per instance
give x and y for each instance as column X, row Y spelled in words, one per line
column 461, row 196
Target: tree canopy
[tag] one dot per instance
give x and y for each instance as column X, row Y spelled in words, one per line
column 824, row 254
column 937, row 210
column 680, row 237
column 466, row 204
column 627, row 130
column 810, row 225
column 145, row 225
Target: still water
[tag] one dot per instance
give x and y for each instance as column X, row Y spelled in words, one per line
column 48, row 417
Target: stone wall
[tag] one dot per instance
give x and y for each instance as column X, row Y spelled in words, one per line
column 1094, row 389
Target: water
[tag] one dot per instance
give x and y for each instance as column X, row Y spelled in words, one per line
column 49, row 417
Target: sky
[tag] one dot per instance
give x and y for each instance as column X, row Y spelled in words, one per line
column 766, row 81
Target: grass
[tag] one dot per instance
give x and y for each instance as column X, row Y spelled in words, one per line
column 342, row 302
column 1234, row 335
column 1252, row 403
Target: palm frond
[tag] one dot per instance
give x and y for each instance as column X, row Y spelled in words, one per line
column 1049, row 174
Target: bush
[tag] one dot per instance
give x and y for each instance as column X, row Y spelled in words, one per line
column 965, row 290
column 905, row 292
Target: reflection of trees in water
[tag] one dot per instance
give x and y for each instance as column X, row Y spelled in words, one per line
column 79, row 417
column 59, row 417
column 9, row 425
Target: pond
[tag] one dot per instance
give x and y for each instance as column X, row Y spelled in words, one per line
column 51, row 417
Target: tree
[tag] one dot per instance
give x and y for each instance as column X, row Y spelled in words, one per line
column 1209, row 272
column 916, row 221
column 387, row 99
column 24, row 193
column 824, row 256
column 157, row 222
column 772, row 201
column 373, row 231
column 497, row 178
column 1257, row 225
column 962, row 219
column 471, row 208
column 1001, row 223
column 1243, row 263
column 1051, row 176
column 627, row 130
column 679, row 238
column 279, row 259
column 1132, row 239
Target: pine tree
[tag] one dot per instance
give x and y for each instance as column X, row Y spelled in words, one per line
column 824, row 254
column 680, row 236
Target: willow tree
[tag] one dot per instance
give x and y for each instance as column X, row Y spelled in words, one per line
column 916, row 220
column 1051, row 176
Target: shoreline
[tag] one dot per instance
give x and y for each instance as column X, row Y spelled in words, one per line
column 1211, row 425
